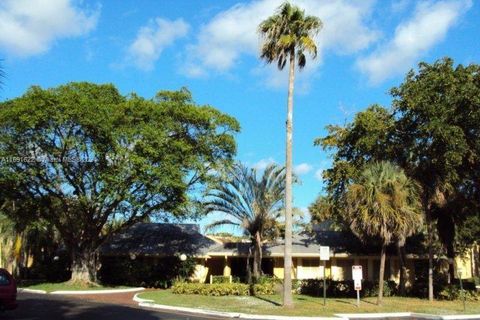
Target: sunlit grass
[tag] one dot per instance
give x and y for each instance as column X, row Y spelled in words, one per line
column 308, row 306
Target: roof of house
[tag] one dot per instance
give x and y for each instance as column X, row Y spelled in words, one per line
column 158, row 239
column 163, row 239
column 307, row 244
column 304, row 244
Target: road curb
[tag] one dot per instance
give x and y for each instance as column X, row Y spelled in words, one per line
column 81, row 292
column 146, row 303
column 108, row 291
column 136, row 298
column 20, row 290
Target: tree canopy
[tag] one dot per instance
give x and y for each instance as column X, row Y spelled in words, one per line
column 81, row 155
column 432, row 132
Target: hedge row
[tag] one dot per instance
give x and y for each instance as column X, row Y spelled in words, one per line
column 313, row 287
column 222, row 289
column 342, row 289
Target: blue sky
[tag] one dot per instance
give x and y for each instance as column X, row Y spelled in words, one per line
column 212, row 47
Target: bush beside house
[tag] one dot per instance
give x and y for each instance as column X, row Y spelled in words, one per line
column 161, row 274
column 223, row 289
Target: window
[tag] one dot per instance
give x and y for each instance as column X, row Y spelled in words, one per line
column 4, row 279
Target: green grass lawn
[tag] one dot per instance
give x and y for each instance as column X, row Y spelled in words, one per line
column 308, row 306
column 65, row 286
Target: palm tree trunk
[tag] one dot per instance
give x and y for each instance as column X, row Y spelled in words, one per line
column 381, row 275
column 258, row 254
column 287, row 275
column 255, row 262
column 430, row 252
column 248, row 269
column 403, row 268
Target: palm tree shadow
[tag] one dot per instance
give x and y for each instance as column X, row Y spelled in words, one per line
column 370, row 302
column 268, row 300
column 315, row 301
column 346, row 302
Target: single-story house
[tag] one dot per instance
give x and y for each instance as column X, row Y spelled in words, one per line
column 216, row 256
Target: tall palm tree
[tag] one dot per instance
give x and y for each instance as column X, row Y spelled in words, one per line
column 383, row 202
column 250, row 203
column 288, row 35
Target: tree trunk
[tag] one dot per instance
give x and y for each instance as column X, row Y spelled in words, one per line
column 430, row 256
column 257, row 257
column 476, row 259
column 255, row 264
column 381, row 275
column 403, row 268
column 287, row 275
column 83, row 267
column 451, row 262
column 248, row 269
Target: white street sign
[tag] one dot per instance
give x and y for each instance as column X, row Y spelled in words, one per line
column 324, row 253
column 357, row 273
column 357, row 284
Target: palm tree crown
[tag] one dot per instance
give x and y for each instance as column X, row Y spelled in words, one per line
column 289, row 32
column 250, row 203
column 383, row 202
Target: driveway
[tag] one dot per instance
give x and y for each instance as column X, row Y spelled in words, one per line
column 53, row 307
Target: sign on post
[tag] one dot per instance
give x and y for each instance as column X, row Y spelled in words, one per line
column 357, row 273
column 357, row 281
column 324, row 256
column 324, row 253
column 357, row 284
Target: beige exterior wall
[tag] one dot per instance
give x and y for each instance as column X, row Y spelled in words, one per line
column 465, row 265
column 278, row 268
column 337, row 268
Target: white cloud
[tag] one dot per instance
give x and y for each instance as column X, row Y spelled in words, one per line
column 30, row 27
column 319, row 174
column 427, row 27
column 302, row 168
column 152, row 39
column 233, row 32
column 263, row 163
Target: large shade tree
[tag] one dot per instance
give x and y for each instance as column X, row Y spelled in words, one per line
column 81, row 155
column 432, row 132
column 438, row 134
column 251, row 203
column 288, row 36
column 383, row 202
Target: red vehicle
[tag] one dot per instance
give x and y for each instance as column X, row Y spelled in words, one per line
column 8, row 291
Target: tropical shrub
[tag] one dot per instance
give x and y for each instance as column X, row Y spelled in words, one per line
column 453, row 292
column 221, row 279
column 214, row 289
column 222, row 289
column 342, row 289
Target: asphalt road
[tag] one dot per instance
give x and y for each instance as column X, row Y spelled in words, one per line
column 52, row 307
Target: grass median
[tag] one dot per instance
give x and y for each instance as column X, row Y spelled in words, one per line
column 308, row 306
